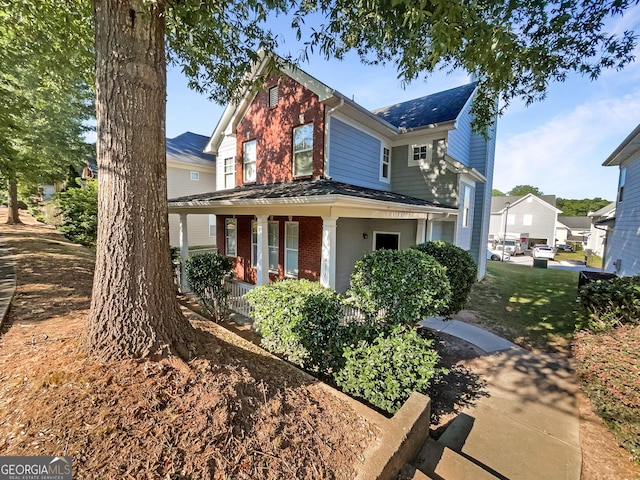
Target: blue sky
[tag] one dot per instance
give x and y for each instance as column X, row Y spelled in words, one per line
column 557, row 145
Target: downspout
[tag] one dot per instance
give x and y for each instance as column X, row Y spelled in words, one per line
column 327, row 114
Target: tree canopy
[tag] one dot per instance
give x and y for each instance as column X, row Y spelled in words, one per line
column 522, row 190
column 497, row 193
column 580, row 208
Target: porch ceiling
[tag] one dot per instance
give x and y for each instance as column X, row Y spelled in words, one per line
column 313, row 197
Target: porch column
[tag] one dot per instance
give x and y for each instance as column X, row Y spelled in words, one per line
column 421, row 231
column 328, row 257
column 262, row 254
column 184, row 252
column 429, row 232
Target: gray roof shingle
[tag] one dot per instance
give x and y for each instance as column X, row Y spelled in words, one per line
column 189, row 147
column 436, row 108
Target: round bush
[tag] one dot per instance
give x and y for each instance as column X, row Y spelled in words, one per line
column 399, row 286
column 205, row 275
column 386, row 371
column 462, row 271
column 606, row 304
column 297, row 320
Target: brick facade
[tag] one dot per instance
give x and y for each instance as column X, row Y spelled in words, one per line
column 309, row 247
column 272, row 128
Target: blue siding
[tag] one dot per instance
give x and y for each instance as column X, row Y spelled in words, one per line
column 459, row 142
column 624, row 242
column 354, row 156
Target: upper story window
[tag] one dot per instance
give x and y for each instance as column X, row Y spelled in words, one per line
column 229, row 172
column 249, row 161
column 466, row 206
column 273, row 96
column 231, row 237
column 303, row 150
column 427, row 152
column 623, row 179
column 385, row 165
column 194, row 176
column 527, row 219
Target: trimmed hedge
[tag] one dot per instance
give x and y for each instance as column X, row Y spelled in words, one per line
column 298, row 320
column 606, row 304
column 206, row 273
column 386, row 371
column 399, row 286
column 79, row 211
column 462, row 271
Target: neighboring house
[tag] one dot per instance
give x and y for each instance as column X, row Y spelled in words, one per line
column 308, row 181
column 601, row 221
column 190, row 171
column 573, row 230
column 529, row 216
column 622, row 253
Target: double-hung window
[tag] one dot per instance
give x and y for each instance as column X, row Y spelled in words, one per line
column 385, row 165
column 229, row 172
column 303, row 150
column 231, row 237
column 428, row 152
column 621, row 182
column 291, row 230
column 273, row 241
column 466, row 206
column 249, row 161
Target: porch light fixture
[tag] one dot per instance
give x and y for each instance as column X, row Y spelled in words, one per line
column 365, row 235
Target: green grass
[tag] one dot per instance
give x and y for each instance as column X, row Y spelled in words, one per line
column 533, row 307
column 593, row 260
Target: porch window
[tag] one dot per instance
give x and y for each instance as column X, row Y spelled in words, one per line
column 249, row 161
column 303, row 150
column 231, row 237
column 212, row 225
column 466, row 206
column 386, row 241
column 385, row 165
column 229, row 172
column 291, row 230
column 273, row 240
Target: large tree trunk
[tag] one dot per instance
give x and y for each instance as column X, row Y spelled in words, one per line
column 134, row 310
column 14, row 214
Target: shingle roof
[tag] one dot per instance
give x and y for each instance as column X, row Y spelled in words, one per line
column 437, row 108
column 575, row 222
column 189, row 147
column 498, row 203
column 304, row 188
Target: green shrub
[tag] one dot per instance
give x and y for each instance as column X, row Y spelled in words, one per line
column 399, row 286
column 386, row 371
column 462, row 271
column 606, row 304
column 206, row 273
column 297, row 320
column 79, row 212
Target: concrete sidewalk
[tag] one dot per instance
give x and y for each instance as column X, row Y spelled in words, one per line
column 526, row 427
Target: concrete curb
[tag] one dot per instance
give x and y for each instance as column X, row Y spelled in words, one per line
column 7, row 281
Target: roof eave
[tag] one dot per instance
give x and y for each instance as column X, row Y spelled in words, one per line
column 628, row 147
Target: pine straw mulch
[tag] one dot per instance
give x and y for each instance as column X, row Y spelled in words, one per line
column 234, row 413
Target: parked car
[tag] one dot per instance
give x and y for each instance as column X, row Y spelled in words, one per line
column 498, row 255
column 512, row 247
column 564, row 248
column 544, row 251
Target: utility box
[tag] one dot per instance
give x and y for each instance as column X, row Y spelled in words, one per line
column 588, row 277
column 540, row 263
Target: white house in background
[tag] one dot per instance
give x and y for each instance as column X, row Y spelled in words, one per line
column 190, row 171
column 528, row 216
column 622, row 252
column 601, row 221
column 573, row 230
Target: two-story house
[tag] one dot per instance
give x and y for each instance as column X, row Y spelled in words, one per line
column 308, row 181
column 189, row 171
column 530, row 217
column 622, row 254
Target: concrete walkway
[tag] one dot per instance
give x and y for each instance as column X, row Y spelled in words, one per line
column 526, row 427
column 7, row 281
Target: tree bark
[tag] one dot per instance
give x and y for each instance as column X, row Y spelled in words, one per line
column 13, row 216
column 134, row 310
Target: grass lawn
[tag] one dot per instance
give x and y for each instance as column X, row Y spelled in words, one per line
column 532, row 307
column 593, row 260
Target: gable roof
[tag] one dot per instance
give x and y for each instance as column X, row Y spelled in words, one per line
column 607, row 210
column 499, row 203
column 629, row 147
column 575, row 222
column 188, row 148
column 294, row 191
column 432, row 109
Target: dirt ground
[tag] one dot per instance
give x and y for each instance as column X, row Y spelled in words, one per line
column 236, row 413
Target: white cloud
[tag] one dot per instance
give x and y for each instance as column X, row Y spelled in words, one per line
column 564, row 155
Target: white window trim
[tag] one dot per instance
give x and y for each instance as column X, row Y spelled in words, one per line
column 466, row 205
column 273, row 99
column 227, row 222
column 527, row 219
column 276, row 247
column 429, row 151
column 384, row 179
column 287, row 249
column 254, row 244
column 212, row 217
column 375, row 234
column 622, row 179
column 310, row 149
column 194, row 176
column 245, row 163
column 231, row 172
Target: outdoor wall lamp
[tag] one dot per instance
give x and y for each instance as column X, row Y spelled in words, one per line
column 365, row 235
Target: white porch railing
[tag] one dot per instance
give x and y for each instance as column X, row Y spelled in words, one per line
column 237, row 302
